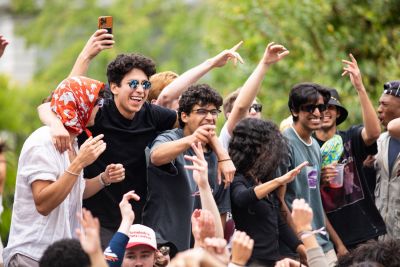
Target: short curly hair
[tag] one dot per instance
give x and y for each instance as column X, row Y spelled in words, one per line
column 66, row 252
column 124, row 63
column 200, row 94
column 257, row 147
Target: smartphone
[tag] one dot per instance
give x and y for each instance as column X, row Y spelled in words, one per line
column 106, row 22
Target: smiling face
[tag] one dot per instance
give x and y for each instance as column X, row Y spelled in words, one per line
column 128, row 100
column 329, row 117
column 310, row 121
column 389, row 109
column 196, row 118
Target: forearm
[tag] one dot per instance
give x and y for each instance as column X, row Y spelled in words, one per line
column 370, row 119
column 218, row 149
column 180, row 84
column 92, row 186
column 286, row 215
column 81, row 65
column 169, row 151
column 264, row 189
column 125, row 225
column 97, row 259
column 208, row 203
column 393, row 128
column 246, row 96
column 46, row 115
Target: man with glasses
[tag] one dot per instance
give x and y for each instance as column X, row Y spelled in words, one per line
column 350, row 208
column 307, row 102
column 129, row 124
column 173, row 194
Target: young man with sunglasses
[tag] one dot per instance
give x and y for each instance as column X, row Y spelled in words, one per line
column 242, row 103
column 129, row 124
column 173, row 193
column 307, row 102
column 350, row 208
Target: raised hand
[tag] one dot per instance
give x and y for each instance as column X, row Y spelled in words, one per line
column 274, row 53
column 217, row 247
column 204, row 133
column 242, row 247
column 126, row 207
column 302, row 215
column 89, row 236
column 288, row 177
column 60, row 136
column 114, row 173
column 203, row 226
column 90, row 150
column 354, row 72
column 3, row 44
column 229, row 54
column 199, row 167
column 99, row 41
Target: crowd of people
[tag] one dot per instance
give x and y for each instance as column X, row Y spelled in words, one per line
column 132, row 172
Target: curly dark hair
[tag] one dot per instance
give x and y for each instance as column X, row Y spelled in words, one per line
column 257, row 147
column 65, row 252
column 304, row 93
column 124, row 63
column 200, row 94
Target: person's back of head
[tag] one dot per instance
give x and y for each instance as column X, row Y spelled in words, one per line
column 124, row 63
column 158, row 82
column 65, row 252
column 229, row 100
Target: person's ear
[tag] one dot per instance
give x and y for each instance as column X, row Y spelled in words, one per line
column 114, row 88
column 184, row 117
column 337, row 113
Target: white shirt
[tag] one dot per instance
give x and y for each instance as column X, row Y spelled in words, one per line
column 224, row 136
column 31, row 233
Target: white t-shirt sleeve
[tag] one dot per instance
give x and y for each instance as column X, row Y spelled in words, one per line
column 38, row 163
column 225, row 137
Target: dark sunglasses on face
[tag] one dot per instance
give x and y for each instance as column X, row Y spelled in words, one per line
column 256, row 107
column 204, row 112
column 135, row 83
column 99, row 102
column 311, row 108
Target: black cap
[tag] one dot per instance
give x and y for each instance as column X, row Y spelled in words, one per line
column 392, row 88
column 335, row 100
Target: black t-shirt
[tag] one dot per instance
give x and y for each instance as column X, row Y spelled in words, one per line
column 126, row 142
column 351, row 209
column 261, row 220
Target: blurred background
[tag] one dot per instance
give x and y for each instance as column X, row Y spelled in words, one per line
column 46, row 36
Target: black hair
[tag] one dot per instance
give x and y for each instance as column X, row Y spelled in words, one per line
column 124, row 63
column 304, row 93
column 200, row 94
column 257, row 148
column 65, row 253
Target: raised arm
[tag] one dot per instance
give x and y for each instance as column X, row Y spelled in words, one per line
column 168, row 151
column 393, row 128
column 371, row 131
column 99, row 41
column 273, row 53
column 180, row 84
column 200, row 176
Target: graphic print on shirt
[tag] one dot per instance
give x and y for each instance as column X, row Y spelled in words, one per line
column 350, row 192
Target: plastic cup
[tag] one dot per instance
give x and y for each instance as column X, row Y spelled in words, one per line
column 337, row 181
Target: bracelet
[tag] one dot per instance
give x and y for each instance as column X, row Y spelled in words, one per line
column 222, row 160
column 72, row 173
column 103, row 183
column 305, row 234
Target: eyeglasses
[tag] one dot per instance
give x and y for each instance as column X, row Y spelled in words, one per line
column 146, row 85
column 311, row 108
column 204, row 112
column 164, row 250
column 256, row 107
column 99, row 102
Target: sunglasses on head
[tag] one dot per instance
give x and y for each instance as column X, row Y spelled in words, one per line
column 146, row 85
column 311, row 108
column 256, row 107
column 164, row 250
